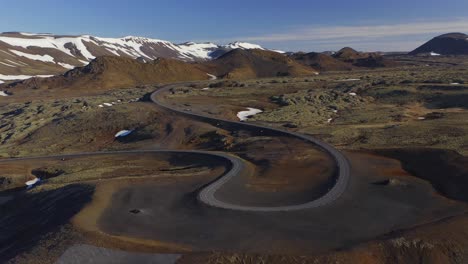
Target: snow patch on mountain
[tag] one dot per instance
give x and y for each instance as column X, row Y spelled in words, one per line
column 44, row 58
column 127, row 45
column 200, row 50
column 242, row 45
column 66, row 66
column 33, row 34
column 51, row 43
column 78, row 42
column 135, row 47
column 20, row 77
column 43, row 42
column 279, row 51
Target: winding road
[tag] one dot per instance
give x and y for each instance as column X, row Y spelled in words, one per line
column 207, row 195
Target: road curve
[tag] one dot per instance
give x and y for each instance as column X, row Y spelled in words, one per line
column 207, row 195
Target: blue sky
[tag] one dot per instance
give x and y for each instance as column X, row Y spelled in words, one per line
column 289, row 25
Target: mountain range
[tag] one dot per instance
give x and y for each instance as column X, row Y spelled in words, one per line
column 23, row 55
column 109, row 72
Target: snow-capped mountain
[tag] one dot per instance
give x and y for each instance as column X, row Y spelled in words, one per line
column 23, row 55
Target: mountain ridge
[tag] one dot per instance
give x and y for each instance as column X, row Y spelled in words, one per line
column 29, row 54
column 108, row 72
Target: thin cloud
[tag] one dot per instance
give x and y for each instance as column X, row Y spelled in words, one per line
column 312, row 33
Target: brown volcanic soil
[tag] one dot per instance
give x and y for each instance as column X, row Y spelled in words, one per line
column 443, row 241
column 446, row 170
column 106, row 73
column 45, row 210
column 248, row 64
column 353, row 219
column 286, row 172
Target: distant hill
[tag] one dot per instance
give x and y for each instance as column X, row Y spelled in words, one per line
column 255, row 63
column 447, row 44
column 108, row 72
column 321, row 61
column 348, row 54
column 363, row 59
column 345, row 59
